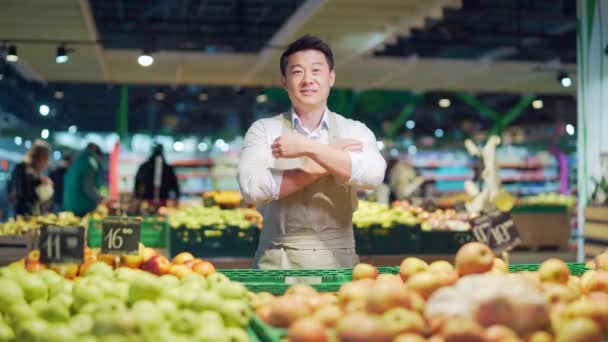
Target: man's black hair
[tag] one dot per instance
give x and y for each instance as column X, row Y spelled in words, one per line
column 307, row 42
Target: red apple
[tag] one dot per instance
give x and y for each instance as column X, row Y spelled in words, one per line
column 263, row 313
column 34, row 266
column 356, row 291
column 601, row 262
column 69, row 271
column 441, row 266
column 585, row 308
column 131, row 261
column 555, row 271
column 301, row 289
column 410, row 266
column 539, row 336
column 425, row 283
column 499, row 333
column 409, row 338
column 474, row 257
column 147, row 253
column 203, row 268
column 362, row 327
column 109, row 259
column 182, row 258
column 157, row 264
column 460, row 329
column 179, row 270
column 330, row 315
column 307, row 329
column 593, row 281
column 579, row 330
column 364, row 271
column 386, row 295
column 287, row 309
column 500, row 266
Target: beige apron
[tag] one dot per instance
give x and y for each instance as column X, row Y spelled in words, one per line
column 313, row 227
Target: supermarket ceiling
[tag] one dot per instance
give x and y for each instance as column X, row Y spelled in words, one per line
column 419, row 45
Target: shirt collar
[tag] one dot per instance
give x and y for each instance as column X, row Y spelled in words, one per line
column 297, row 123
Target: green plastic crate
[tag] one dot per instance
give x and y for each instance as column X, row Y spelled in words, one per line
column 278, row 281
column 153, row 232
column 443, row 241
column 214, row 242
column 576, row 269
column 539, row 209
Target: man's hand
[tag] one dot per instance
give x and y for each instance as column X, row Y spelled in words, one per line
column 291, row 146
column 350, row 145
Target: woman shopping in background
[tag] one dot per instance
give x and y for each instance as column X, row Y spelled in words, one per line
column 29, row 190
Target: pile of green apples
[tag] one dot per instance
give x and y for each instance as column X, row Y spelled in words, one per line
column 371, row 213
column 197, row 216
column 121, row 305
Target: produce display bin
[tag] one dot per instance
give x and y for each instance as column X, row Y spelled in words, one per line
column 214, row 242
column 153, row 232
column 278, row 281
column 266, row 332
column 363, row 242
column 443, row 241
column 398, row 239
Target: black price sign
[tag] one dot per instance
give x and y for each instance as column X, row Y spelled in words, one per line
column 497, row 230
column 61, row 245
column 120, row 235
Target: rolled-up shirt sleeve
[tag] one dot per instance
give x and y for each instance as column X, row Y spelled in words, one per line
column 258, row 182
column 368, row 166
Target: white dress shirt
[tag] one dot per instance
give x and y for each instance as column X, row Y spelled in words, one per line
column 260, row 183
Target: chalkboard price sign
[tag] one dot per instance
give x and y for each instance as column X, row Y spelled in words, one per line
column 497, row 230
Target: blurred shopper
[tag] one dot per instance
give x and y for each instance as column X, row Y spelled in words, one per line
column 403, row 180
column 155, row 180
column 29, row 190
column 82, row 180
column 304, row 167
column 57, row 177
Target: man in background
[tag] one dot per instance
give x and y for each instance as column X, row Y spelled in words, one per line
column 82, row 180
column 155, row 180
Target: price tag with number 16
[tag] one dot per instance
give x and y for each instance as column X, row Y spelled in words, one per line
column 120, row 235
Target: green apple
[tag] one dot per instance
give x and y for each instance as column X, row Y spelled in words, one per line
column 172, row 294
column 212, row 318
column 60, row 332
column 33, row 287
column 185, row 322
column 50, row 277
column 207, row 300
column 81, row 324
column 61, row 287
column 13, row 273
column 100, row 269
column 32, row 330
column 65, row 299
column 231, row 290
column 111, row 305
column 19, row 313
column 54, row 311
column 109, row 323
column 235, row 313
column 186, row 298
column 237, row 335
column 167, row 307
column 127, row 274
column 147, row 288
column 85, row 292
column 197, row 279
column 148, row 315
column 11, row 293
column 169, row 280
column 6, row 332
column 116, row 289
column 216, row 279
column 212, row 334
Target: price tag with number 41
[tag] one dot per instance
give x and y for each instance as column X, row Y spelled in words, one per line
column 120, row 235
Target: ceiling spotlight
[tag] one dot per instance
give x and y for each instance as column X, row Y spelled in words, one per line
column 44, row 110
column 262, row 98
column 438, row 133
column 178, row 146
column 18, row 140
column 73, row 129
column 145, row 59
column 62, row 54
column 537, row 104
column 564, row 79
column 11, row 54
column 570, row 129
column 159, row 96
column 44, row 134
column 203, row 97
column 410, row 124
column 444, row 103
